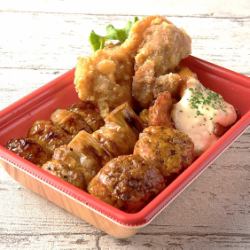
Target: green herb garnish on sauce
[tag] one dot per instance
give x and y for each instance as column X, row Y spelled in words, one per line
column 201, row 97
column 112, row 34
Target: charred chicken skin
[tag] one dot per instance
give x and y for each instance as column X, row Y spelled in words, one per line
column 90, row 113
column 69, row 121
column 86, row 164
column 127, row 182
column 60, row 169
column 49, row 135
column 120, row 132
column 170, row 148
column 29, row 149
column 87, row 153
column 45, row 136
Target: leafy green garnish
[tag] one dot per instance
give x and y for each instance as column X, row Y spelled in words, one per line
column 112, row 34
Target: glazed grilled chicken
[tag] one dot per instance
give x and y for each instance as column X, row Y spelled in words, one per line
column 89, row 152
column 29, row 149
column 86, row 144
column 80, row 116
column 45, row 136
column 159, row 114
column 170, row 148
column 69, row 121
column 49, row 135
column 90, row 113
column 117, row 137
column 84, row 166
column 120, row 132
column 73, row 175
column 127, row 182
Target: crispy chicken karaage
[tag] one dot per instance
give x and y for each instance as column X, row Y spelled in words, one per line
column 154, row 47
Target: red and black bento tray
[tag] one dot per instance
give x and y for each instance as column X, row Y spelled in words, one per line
column 16, row 119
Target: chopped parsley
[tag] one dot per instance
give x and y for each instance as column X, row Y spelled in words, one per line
column 202, row 97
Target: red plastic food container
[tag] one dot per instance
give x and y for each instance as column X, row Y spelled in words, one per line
column 18, row 118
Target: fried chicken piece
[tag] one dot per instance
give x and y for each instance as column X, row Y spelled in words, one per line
column 69, row 121
column 170, row 148
column 170, row 82
column 89, row 164
column 105, row 78
column 144, row 117
column 162, row 48
column 185, row 73
column 29, row 149
column 127, row 182
column 147, row 93
column 160, row 113
column 48, row 135
column 73, row 175
column 90, row 113
column 120, row 132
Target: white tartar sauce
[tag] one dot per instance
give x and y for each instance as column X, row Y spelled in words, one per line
column 197, row 113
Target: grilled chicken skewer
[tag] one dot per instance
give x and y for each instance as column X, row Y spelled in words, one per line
column 45, row 136
column 87, row 153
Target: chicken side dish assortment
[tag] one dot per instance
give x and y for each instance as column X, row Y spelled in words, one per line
column 141, row 120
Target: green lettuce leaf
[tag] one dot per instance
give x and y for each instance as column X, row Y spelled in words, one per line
column 112, row 34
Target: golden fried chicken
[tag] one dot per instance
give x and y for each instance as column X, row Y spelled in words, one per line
column 162, row 48
column 170, row 148
column 127, row 182
column 160, row 113
column 145, row 93
column 170, row 82
column 48, row 135
column 90, row 113
column 154, row 47
column 144, row 117
column 69, row 121
column 29, row 149
column 105, row 78
column 185, row 74
column 120, row 132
